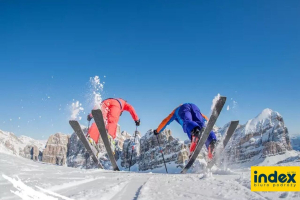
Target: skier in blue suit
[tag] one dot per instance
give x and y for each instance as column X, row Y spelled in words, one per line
column 188, row 115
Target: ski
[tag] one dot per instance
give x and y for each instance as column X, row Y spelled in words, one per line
column 98, row 117
column 211, row 122
column 233, row 125
column 90, row 149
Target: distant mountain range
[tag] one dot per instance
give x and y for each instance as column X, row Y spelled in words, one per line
column 262, row 137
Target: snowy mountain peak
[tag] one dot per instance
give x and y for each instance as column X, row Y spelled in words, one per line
column 263, row 136
column 267, row 117
column 267, row 113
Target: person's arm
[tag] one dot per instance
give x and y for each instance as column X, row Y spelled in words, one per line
column 90, row 116
column 131, row 110
column 204, row 117
column 166, row 122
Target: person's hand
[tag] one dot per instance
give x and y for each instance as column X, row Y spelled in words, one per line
column 137, row 122
column 155, row 132
column 89, row 117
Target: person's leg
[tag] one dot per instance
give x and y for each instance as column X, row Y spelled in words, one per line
column 211, row 140
column 186, row 120
column 192, row 125
column 112, row 120
column 210, row 144
column 196, row 134
column 212, row 137
column 105, row 110
column 93, row 132
column 197, row 116
column 189, row 126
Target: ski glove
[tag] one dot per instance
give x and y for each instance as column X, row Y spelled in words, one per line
column 137, row 122
column 155, row 132
column 89, row 117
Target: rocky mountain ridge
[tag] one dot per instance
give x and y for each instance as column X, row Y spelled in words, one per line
column 21, row 146
column 265, row 135
column 261, row 137
column 295, row 142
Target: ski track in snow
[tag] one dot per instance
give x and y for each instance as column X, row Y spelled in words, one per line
column 131, row 190
column 63, row 183
column 73, row 184
column 194, row 187
column 27, row 193
column 53, row 194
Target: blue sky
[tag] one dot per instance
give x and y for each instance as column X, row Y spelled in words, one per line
column 155, row 54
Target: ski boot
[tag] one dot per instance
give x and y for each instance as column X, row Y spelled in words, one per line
column 91, row 141
column 196, row 135
column 211, row 149
column 112, row 144
column 94, row 144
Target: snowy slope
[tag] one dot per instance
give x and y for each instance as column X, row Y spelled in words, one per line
column 244, row 180
column 24, row 179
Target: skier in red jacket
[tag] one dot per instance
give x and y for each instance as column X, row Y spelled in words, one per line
column 112, row 109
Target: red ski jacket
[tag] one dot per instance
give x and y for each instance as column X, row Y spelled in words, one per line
column 122, row 104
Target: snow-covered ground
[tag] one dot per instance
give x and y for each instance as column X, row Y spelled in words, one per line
column 268, row 161
column 21, row 178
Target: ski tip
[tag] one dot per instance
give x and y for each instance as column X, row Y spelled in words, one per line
column 223, row 98
column 221, row 101
column 234, row 123
column 73, row 122
column 96, row 111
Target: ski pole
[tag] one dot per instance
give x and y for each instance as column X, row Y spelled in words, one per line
column 129, row 143
column 132, row 148
column 88, row 129
column 161, row 153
